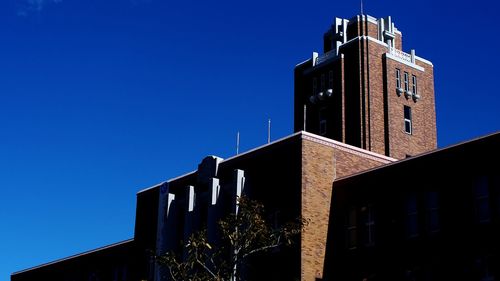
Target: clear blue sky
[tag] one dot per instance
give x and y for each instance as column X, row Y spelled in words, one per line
column 102, row 98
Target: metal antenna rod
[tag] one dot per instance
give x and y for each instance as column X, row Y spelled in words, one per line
column 361, row 7
column 305, row 109
column 269, row 131
column 238, row 143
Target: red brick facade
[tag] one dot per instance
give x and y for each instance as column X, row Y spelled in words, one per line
column 324, row 161
column 363, row 107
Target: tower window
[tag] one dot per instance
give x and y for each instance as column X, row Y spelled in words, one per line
column 322, row 121
column 322, row 82
column 408, row 125
column 315, row 85
column 407, row 86
column 414, row 80
column 330, row 79
column 398, row 78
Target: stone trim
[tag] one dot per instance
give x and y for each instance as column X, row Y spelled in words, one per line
column 348, row 148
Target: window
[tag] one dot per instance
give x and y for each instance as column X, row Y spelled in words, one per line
column 407, row 86
column 93, row 277
column 432, row 211
column 414, row 85
column 322, row 121
column 322, row 82
column 485, row 268
column 330, row 79
column 315, row 85
column 407, row 113
column 398, row 78
column 120, row 273
column 368, row 224
column 352, row 235
column 482, row 204
column 411, row 216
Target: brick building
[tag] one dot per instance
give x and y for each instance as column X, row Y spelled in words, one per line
column 435, row 216
column 365, row 91
column 361, row 109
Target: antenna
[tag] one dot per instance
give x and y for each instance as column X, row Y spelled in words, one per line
column 305, row 110
column 361, row 7
column 237, row 143
column 269, row 130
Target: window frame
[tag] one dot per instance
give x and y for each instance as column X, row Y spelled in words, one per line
column 412, row 216
column 398, row 78
column 414, row 84
column 408, row 121
column 407, row 83
column 368, row 220
column 432, row 212
column 352, row 229
column 482, row 199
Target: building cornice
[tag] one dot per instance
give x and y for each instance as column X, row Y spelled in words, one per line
column 392, row 57
column 347, row 148
column 424, row 60
column 422, row 155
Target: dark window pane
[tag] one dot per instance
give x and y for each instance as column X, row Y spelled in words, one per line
column 432, row 209
column 407, row 112
column 411, row 216
column 407, row 127
column 352, row 229
column 481, row 194
column 368, row 224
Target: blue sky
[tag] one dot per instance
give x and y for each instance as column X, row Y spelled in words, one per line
column 102, row 98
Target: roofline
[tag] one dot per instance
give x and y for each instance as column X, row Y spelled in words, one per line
column 74, row 256
column 350, row 148
column 301, row 63
column 263, row 146
column 224, row 160
column 376, row 156
column 418, row 156
column 151, row 187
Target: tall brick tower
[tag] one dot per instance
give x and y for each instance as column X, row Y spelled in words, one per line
column 365, row 91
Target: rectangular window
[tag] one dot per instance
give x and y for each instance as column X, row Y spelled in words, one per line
column 408, row 125
column 414, row 85
column 485, row 266
column 368, row 224
column 322, row 121
column 330, row 79
column 407, row 86
column 432, row 211
column 322, row 82
column 411, row 216
column 398, row 78
column 352, row 234
column 482, row 204
column 315, row 86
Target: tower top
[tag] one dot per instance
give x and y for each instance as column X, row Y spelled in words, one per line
column 365, row 91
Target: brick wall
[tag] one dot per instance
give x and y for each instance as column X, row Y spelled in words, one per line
column 323, row 161
column 372, row 30
column 398, row 42
column 376, row 134
column 423, row 137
